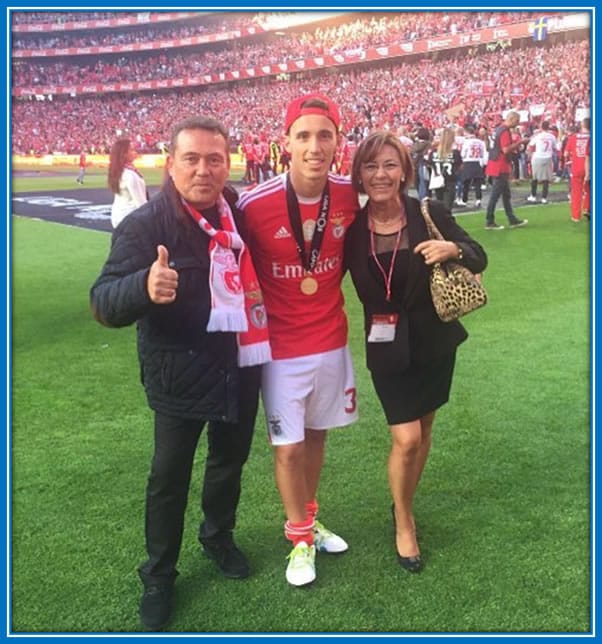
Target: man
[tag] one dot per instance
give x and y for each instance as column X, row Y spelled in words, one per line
column 577, row 154
column 419, row 153
column 499, row 167
column 247, row 153
column 347, row 151
column 274, row 155
column 541, row 147
column 82, row 167
column 158, row 274
column 296, row 225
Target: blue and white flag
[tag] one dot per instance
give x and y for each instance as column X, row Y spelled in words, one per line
column 540, row 29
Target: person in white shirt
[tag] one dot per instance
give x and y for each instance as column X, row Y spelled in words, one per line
column 125, row 181
column 473, row 154
column 402, row 134
column 542, row 146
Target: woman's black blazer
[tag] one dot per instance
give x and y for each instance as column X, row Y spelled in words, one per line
column 420, row 336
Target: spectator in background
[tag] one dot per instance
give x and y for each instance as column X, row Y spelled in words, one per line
column 499, row 167
column 419, row 153
column 445, row 162
column 82, row 167
column 125, row 181
column 541, row 147
column 473, row 160
column 347, row 150
column 247, row 154
column 61, row 125
column 402, row 134
column 577, row 153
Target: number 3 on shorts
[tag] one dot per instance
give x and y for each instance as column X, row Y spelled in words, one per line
column 350, row 395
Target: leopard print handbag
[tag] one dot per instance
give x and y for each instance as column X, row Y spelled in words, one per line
column 455, row 291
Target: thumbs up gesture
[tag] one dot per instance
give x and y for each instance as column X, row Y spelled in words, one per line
column 162, row 282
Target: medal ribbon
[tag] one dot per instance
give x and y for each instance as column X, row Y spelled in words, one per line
column 389, row 277
column 294, row 215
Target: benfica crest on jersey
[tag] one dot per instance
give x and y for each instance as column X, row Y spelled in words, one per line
column 338, row 230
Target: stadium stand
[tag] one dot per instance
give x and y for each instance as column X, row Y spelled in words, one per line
column 385, row 70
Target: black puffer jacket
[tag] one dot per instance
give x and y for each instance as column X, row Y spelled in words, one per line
column 186, row 372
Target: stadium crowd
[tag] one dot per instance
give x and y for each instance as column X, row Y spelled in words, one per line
column 479, row 87
column 381, row 29
column 169, row 65
column 64, row 17
column 186, row 27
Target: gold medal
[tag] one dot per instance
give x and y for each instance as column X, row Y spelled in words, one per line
column 309, row 285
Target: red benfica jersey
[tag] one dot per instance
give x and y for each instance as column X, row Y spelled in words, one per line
column 247, row 150
column 299, row 324
column 577, row 148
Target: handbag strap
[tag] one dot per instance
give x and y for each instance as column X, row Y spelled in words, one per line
column 433, row 231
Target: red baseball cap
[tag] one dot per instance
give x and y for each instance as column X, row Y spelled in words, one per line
column 298, row 108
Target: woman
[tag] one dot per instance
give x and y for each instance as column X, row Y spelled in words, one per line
column 125, row 181
column 410, row 352
column 445, row 161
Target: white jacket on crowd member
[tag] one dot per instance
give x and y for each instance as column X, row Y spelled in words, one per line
column 132, row 194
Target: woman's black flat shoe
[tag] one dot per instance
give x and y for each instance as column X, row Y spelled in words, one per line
column 411, row 564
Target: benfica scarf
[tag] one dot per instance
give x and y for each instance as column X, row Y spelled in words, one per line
column 236, row 299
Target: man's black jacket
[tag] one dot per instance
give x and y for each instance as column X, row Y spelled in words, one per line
column 186, row 372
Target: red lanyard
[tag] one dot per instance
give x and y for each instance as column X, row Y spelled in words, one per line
column 386, row 277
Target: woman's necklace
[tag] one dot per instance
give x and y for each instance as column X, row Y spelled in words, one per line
column 388, row 226
column 385, row 224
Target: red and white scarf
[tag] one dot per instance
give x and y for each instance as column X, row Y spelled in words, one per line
column 236, row 299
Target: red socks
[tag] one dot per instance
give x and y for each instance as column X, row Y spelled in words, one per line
column 303, row 531
column 312, row 508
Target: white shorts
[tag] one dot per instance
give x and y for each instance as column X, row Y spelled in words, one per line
column 315, row 391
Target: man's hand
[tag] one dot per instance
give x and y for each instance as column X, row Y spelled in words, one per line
column 162, row 282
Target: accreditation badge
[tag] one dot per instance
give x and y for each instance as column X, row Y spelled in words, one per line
column 382, row 327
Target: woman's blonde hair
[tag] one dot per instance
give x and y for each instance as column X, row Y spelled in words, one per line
column 446, row 143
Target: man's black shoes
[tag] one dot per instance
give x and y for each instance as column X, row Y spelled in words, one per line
column 229, row 559
column 155, row 607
